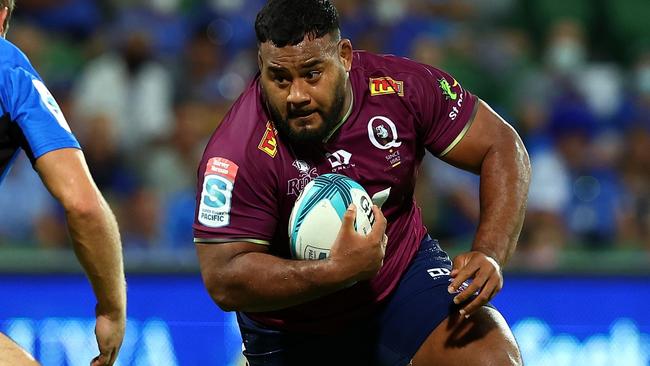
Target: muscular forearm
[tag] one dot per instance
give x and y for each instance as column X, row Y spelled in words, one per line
column 258, row 281
column 505, row 176
column 97, row 245
column 247, row 277
column 91, row 223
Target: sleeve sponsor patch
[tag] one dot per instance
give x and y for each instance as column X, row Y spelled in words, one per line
column 452, row 94
column 269, row 143
column 216, row 196
column 50, row 103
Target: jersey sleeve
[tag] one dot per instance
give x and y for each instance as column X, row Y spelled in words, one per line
column 447, row 110
column 33, row 108
column 236, row 200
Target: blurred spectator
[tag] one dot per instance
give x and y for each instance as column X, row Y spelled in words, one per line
column 566, row 51
column 201, row 69
column 129, row 87
column 106, row 161
column 457, row 202
column 75, row 18
column 171, row 167
column 21, row 212
column 635, row 172
column 140, row 220
column 144, row 82
column 166, row 27
column 640, row 84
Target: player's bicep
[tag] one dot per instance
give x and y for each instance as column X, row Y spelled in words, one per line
column 215, row 256
column 486, row 131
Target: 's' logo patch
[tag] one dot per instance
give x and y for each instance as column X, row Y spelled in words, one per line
column 216, row 197
column 269, row 143
column 386, row 85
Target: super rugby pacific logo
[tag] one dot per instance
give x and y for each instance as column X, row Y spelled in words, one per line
column 216, row 196
column 382, row 133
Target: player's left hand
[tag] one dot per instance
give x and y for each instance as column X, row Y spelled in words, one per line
column 486, row 280
column 109, row 330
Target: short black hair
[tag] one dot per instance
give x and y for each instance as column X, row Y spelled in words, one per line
column 287, row 22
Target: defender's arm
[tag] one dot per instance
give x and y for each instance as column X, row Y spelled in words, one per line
column 96, row 241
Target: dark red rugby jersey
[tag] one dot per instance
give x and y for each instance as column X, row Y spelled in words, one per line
column 249, row 179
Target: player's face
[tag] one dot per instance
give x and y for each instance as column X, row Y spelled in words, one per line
column 306, row 86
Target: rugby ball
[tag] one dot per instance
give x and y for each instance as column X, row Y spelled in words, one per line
column 317, row 215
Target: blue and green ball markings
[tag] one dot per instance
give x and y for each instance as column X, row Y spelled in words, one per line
column 333, row 187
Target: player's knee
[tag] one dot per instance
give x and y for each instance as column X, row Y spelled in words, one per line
column 500, row 347
column 509, row 357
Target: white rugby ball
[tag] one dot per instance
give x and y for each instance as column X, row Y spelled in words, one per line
column 318, row 213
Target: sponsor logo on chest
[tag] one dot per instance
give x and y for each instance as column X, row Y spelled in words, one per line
column 339, row 160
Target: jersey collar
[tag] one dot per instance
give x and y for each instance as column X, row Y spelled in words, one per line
column 345, row 117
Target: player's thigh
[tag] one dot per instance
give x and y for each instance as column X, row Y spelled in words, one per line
column 12, row 354
column 418, row 305
column 264, row 346
column 483, row 339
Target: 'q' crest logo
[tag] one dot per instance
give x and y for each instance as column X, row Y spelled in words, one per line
column 383, row 133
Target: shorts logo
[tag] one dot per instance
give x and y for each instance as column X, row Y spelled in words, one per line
column 218, row 183
column 49, row 102
column 383, row 133
column 269, row 143
column 386, row 85
column 438, row 272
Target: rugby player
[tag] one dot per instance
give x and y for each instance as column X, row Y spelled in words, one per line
column 317, row 106
column 31, row 120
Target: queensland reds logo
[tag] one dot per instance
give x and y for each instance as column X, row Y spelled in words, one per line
column 383, row 133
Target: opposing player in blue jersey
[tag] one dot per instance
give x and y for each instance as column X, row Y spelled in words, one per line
column 31, row 120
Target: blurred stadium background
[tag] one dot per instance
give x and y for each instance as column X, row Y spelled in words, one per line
column 144, row 82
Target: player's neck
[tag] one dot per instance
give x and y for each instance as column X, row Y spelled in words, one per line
column 347, row 107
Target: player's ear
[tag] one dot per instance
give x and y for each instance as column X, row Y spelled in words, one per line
column 4, row 12
column 345, row 53
column 259, row 60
